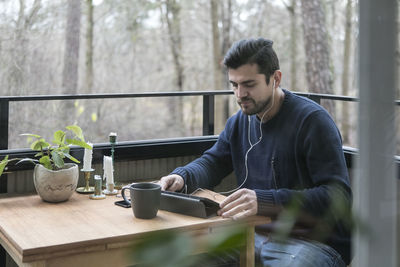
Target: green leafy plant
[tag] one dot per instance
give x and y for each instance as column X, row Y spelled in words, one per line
column 52, row 154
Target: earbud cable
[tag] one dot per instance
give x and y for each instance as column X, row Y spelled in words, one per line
column 252, row 145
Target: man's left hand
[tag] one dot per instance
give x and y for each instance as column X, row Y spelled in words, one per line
column 240, row 204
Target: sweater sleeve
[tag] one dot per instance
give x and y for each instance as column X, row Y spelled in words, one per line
column 208, row 170
column 321, row 154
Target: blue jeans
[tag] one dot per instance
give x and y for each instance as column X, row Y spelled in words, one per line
column 295, row 252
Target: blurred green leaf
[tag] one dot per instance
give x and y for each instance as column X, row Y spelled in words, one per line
column 3, row 164
column 46, row 162
column 40, row 154
column 229, row 239
column 176, row 249
column 78, row 143
column 58, row 143
column 81, row 109
column 65, row 149
column 31, row 135
column 166, row 248
column 40, row 144
column 71, row 158
column 77, row 131
column 59, row 137
column 57, row 159
column 94, row 117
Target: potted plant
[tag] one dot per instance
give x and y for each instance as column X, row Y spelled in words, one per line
column 54, row 180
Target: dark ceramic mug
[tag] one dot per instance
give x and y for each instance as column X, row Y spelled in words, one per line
column 145, row 199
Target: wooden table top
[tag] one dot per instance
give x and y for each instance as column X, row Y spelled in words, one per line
column 35, row 228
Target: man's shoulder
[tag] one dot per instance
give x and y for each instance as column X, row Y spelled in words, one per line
column 302, row 105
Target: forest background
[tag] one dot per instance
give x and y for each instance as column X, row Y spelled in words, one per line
column 52, row 47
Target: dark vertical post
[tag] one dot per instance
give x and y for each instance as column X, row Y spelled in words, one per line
column 4, row 117
column 316, row 99
column 208, row 114
column 375, row 189
column 4, row 113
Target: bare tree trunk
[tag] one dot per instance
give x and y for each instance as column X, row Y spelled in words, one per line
column 17, row 73
column 16, row 78
column 330, row 7
column 319, row 77
column 71, row 58
column 226, row 26
column 220, row 116
column 174, row 30
column 71, row 53
column 262, row 9
column 293, row 43
column 226, row 44
column 172, row 17
column 333, row 10
column 293, row 47
column 89, row 47
column 346, row 70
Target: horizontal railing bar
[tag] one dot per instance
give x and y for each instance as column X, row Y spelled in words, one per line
column 328, row 96
column 127, row 150
column 17, row 152
column 163, row 94
column 157, row 94
column 118, row 95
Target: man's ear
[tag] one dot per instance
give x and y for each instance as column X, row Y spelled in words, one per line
column 277, row 77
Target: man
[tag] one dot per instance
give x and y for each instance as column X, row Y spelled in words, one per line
column 285, row 151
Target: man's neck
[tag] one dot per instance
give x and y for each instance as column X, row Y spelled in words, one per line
column 278, row 100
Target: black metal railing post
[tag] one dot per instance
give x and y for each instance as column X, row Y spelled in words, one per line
column 4, row 114
column 316, row 99
column 4, row 118
column 208, row 114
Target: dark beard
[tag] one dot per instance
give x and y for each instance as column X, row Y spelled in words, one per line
column 258, row 107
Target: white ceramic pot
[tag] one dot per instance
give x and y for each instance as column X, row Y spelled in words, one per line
column 56, row 186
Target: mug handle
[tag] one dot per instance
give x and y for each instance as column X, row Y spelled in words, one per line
column 123, row 193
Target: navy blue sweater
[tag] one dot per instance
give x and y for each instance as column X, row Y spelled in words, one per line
column 299, row 160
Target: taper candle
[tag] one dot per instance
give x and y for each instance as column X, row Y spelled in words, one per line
column 87, row 158
column 108, row 170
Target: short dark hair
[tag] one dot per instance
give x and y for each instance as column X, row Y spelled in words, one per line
column 253, row 51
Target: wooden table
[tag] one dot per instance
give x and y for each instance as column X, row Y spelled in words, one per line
column 84, row 232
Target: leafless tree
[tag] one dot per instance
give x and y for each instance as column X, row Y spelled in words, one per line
column 318, row 74
column 293, row 42
column 346, row 69
column 172, row 15
column 140, row 46
column 89, row 47
column 18, row 70
column 71, row 58
column 71, row 51
column 218, row 79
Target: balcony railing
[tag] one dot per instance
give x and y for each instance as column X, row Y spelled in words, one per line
column 138, row 149
column 208, row 104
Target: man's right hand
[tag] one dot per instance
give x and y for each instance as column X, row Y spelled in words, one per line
column 172, row 182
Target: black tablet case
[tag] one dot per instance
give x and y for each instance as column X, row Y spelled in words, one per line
column 188, row 205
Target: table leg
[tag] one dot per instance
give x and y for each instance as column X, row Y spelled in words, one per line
column 247, row 252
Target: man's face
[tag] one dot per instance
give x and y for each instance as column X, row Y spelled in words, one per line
column 251, row 90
